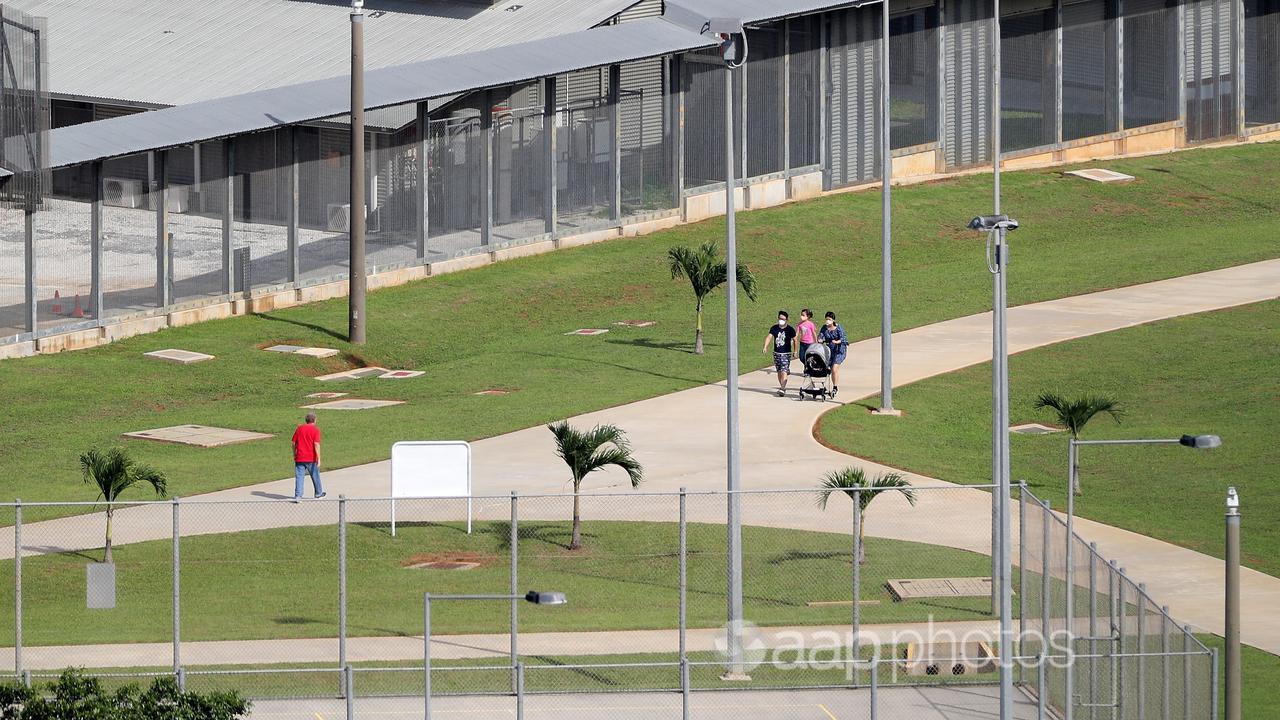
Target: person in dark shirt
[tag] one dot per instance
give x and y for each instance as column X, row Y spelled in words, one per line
column 782, row 340
column 833, row 336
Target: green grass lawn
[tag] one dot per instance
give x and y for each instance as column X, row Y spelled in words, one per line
column 1208, row 373
column 283, row 583
column 503, row 326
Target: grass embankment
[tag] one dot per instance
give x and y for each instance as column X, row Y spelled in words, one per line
column 503, row 326
column 1209, row 373
column 284, row 583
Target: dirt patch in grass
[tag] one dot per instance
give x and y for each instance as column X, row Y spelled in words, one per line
column 480, row 559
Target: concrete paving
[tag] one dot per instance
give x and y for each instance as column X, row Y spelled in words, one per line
column 779, row 451
column 958, row 702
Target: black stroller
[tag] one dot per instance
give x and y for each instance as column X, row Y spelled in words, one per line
column 817, row 368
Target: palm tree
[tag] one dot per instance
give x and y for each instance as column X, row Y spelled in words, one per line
column 706, row 272
column 587, row 451
column 1075, row 414
column 855, row 478
column 113, row 471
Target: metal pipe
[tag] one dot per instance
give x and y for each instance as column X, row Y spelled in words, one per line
column 886, row 222
column 356, row 294
column 426, row 656
column 514, row 578
column 1164, row 662
column 1041, row 695
column 1141, row 660
column 1232, row 610
column 422, row 218
column 29, row 254
column 95, row 242
column 856, row 592
column 17, row 586
column 684, row 576
column 1070, row 574
column 1093, row 630
column 1214, row 688
column 875, row 684
column 519, row 691
column 293, row 270
column 349, row 690
column 177, row 588
column 734, row 519
column 342, row 580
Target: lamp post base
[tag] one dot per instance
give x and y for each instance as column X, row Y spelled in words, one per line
column 888, row 412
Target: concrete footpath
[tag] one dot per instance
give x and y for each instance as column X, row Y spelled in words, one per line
column 680, row 439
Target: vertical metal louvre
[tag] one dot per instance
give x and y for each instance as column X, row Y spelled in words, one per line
column 967, row 39
column 1208, row 69
column 1028, row 67
column 805, row 81
column 1261, row 62
column 646, row 136
column 913, row 74
column 1089, row 64
column 855, row 120
column 1150, row 62
column 765, row 106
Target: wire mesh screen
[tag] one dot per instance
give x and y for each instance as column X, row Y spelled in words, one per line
column 804, row 37
column 584, row 150
column 855, row 119
column 196, row 192
column 913, row 76
column 647, row 137
column 967, row 73
column 455, row 169
column 260, row 202
column 393, row 201
column 129, row 239
column 704, row 127
column 1089, row 69
column 1261, row 58
column 324, row 199
column 1028, row 81
column 1150, row 44
column 1208, row 68
column 765, row 106
column 13, row 272
column 24, row 106
column 519, row 163
column 63, row 279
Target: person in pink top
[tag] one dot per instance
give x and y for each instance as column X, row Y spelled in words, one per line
column 807, row 332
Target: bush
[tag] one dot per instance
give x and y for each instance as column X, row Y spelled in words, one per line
column 76, row 697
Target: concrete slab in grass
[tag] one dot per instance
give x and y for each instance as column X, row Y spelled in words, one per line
column 356, row 374
column 316, row 352
column 1101, row 175
column 401, row 374
column 636, row 323
column 327, row 395
column 198, row 435
column 284, row 348
column 588, row 331
column 181, row 357
column 940, row 588
column 353, row 404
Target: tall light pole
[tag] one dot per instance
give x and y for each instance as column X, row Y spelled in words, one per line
column 886, row 258
column 997, row 228
column 1200, row 442
column 733, row 48
column 1232, row 630
column 356, row 277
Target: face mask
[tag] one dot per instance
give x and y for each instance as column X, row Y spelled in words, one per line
column 782, row 323
column 830, row 322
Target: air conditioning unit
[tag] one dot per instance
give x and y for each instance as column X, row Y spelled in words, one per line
column 339, row 215
column 122, row 192
column 179, row 198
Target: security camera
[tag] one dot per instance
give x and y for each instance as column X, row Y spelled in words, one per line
column 733, row 39
column 987, row 223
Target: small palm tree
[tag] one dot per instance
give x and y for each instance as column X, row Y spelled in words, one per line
column 1075, row 414
column 113, row 472
column 855, row 478
column 706, row 272
column 587, row 451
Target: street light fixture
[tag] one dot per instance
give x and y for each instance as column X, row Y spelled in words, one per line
column 997, row 228
column 534, row 597
column 1198, row 442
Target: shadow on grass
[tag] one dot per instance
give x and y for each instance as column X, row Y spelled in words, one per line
column 598, row 361
column 310, row 326
column 555, row 535
column 683, row 347
column 385, row 527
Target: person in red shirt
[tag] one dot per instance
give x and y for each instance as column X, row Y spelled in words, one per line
column 306, row 457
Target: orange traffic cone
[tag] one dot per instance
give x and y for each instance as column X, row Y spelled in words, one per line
column 57, row 303
column 77, row 311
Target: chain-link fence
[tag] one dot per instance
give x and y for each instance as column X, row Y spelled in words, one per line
column 275, row 599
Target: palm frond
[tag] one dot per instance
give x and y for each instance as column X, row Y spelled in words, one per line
column 621, row 457
column 1074, row 414
column 113, row 472
column 853, row 479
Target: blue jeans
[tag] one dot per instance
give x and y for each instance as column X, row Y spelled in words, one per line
column 300, row 470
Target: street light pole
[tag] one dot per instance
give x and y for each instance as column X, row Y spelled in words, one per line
column 1232, row 631
column 356, row 276
column 733, row 48
column 886, row 229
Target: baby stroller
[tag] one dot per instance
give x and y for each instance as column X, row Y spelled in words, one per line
column 817, row 368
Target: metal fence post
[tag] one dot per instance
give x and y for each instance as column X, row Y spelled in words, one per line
column 875, row 684
column 17, row 586
column 1142, row 649
column 1213, row 683
column 684, row 688
column 1041, row 664
column 684, row 586
column 177, row 588
column 1046, row 572
column 515, row 606
column 26, row 679
column 856, row 590
column 1164, row 662
column 180, row 674
column 519, row 691
column 1022, row 572
column 1122, row 610
column 349, row 690
column 1093, row 630
column 342, row 582
column 1186, row 672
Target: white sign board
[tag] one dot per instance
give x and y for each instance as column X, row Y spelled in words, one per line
column 430, row 469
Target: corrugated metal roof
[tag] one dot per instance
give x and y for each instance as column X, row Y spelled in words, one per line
column 752, row 11
column 177, row 52
column 211, row 119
